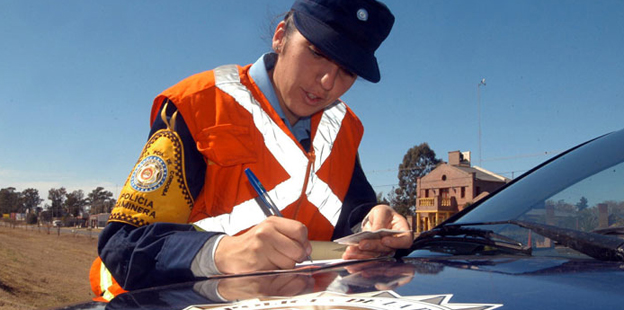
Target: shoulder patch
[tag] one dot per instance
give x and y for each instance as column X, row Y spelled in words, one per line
column 156, row 189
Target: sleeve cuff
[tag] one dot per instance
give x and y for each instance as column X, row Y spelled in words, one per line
column 203, row 265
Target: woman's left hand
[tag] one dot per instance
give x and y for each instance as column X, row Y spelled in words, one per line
column 381, row 216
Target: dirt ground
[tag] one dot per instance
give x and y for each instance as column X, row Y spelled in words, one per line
column 40, row 270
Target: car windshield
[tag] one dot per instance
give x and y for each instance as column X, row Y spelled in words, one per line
column 580, row 190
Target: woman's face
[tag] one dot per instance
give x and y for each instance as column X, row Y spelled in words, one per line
column 305, row 81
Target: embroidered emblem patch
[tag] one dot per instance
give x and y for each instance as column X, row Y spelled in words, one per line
column 149, row 175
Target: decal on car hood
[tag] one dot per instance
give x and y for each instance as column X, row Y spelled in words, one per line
column 371, row 300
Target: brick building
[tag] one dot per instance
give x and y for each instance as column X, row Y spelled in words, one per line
column 449, row 188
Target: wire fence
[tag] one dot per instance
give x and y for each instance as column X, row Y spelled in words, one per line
column 50, row 229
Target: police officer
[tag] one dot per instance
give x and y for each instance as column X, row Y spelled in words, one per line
column 187, row 210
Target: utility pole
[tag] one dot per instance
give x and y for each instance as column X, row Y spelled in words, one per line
column 479, row 113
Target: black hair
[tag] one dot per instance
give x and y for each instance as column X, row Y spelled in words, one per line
column 289, row 22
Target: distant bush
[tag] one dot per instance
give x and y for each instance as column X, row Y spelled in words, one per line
column 31, row 218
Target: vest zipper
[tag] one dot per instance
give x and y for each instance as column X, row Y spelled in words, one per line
column 311, row 158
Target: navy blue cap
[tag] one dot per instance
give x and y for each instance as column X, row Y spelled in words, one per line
column 347, row 31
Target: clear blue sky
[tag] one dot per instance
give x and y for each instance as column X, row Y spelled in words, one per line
column 77, row 78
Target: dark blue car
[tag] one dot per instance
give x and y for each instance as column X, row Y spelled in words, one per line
column 550, row 239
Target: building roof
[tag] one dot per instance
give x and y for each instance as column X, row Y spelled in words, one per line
column 482, row 174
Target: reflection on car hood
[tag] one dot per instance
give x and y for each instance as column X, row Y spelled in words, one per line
column 510, row 282
column 523, row 283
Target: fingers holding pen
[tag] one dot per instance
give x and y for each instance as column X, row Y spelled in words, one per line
column 289, row 241
column 276, row 243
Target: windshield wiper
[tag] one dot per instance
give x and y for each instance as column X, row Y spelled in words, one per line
column 598, row 246
column 610, row 231
column 462, row 240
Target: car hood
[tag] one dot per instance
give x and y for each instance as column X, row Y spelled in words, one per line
column 520, row 283
column 507, row 282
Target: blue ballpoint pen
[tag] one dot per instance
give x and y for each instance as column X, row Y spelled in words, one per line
column 262, row 193
column 267, row 205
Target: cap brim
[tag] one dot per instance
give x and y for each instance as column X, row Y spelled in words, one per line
column 340, row 49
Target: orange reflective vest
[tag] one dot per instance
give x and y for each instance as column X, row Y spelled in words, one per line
column 235, row 128
column 103, row 285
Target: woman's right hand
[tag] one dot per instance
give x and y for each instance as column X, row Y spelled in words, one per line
column 275, row 243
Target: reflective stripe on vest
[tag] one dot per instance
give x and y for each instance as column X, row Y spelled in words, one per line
column 109, row 288
column 287, row 153
column 106, row 279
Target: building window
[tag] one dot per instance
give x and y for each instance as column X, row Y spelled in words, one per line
column 444, row 177
column 463, row 192
column 444, row 193
column 426, row 193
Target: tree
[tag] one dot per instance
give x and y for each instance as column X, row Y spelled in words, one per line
column 9, row 200
column 381, row 199
column 582, row 204
column 57, row 197
column 75, row 202
column 100, row 200
column 417, row 162
column 46, row 216
column 31, row 218
column 109, row 205
column 31, row 200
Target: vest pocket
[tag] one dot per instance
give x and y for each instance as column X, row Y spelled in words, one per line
column 227, row 145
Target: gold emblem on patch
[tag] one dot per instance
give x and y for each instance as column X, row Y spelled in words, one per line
column 150, row 174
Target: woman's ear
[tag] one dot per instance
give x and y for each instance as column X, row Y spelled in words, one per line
column 279, row 37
